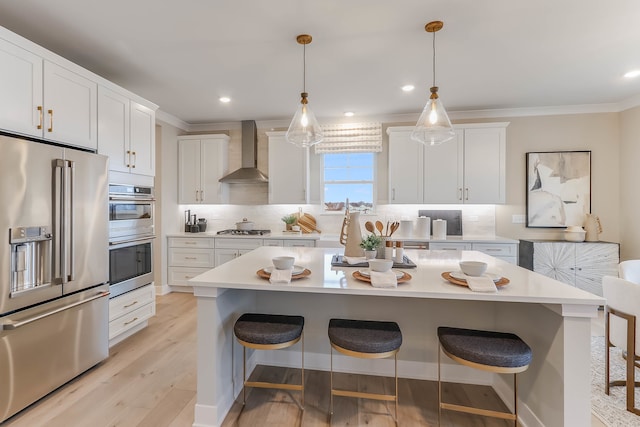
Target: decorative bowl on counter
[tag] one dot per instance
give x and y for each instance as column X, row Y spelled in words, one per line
column 380, row 265
column 473, row 268
column 283, row 262
column 574, row 233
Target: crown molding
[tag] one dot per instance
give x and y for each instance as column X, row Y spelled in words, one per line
column 172, row 120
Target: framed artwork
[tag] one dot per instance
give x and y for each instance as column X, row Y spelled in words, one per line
column 558, row 188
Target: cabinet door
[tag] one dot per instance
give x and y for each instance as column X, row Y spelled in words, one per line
column 189, row 171
column 449, row 246
column 405, row 168
column 288, row 172
column 143, row 140
column 593, row 262
column 213, row 166
column 299, row 243
column 225, row 255
column 484, row 165
column 443, row 167
column 555, row 260
column 113, row 129
column 21, row 89
column 70, row 106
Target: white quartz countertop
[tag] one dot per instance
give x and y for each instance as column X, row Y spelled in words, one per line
column 274, row 235
column 525, row 286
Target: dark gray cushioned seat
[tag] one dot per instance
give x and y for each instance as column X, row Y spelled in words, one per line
column 256, row 328
column 485, row 347
column 365, row 336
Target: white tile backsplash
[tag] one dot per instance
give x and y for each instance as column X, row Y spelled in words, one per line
column 477, row 220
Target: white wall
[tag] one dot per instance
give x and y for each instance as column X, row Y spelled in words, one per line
column 630, row 183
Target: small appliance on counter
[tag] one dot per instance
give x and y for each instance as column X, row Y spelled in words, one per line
column 453, row 218
column 439, row 229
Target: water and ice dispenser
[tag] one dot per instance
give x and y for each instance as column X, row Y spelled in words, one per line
column 31, row 262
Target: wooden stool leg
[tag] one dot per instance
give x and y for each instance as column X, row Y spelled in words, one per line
column 439, row 389
column 302, row 371
column 244, row 375
column 515, row 400
column 331, row 381
column 395, row 356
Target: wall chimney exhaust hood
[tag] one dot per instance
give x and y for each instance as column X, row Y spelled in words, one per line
column 249, row 172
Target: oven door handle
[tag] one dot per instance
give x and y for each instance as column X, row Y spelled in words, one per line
column 131, row 199
column 123, row 242
column 15, row 325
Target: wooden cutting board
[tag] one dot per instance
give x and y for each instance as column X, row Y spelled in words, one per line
column 307, row 223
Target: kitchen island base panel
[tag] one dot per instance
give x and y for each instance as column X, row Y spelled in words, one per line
column 559, row 357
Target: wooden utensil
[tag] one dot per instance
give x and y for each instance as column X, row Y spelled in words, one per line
column 379, row 226
column 369, row 227
column 394, row 227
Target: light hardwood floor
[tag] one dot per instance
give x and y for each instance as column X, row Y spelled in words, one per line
column 150, row 380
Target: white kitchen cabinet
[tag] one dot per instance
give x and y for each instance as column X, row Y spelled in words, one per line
column 202, row 161
column 469, row 169
column 449, row 246
column 21, row 89
column 129, row 313
column 504, row 251
column 126, row 133
column 230, row 248
column 44, row 100
column 578, row 264
column 288, row 171
column 188, row 257
column 290, row 243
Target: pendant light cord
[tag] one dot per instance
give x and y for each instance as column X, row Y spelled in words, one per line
column 304, row 67
column 434, row 58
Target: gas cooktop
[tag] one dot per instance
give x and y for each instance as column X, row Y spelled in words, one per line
column 234, row 232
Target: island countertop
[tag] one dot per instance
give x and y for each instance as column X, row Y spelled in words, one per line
column 426, row 282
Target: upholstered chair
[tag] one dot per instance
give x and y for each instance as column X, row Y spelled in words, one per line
column 630, row 270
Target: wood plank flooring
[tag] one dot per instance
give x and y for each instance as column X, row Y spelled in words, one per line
column 150, row 380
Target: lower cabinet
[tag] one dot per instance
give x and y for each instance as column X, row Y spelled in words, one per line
column 578, row 264
column 189, row 257
column 129, row 313
column 504, row 251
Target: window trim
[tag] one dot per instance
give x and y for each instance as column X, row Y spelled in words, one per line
column 374, row 183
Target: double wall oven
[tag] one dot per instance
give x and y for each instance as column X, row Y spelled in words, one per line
column 131, row 234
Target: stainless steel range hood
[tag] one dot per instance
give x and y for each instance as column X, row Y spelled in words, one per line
column 249, row 172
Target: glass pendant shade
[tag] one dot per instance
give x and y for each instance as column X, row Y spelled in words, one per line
column 434, row 126
column 304, row 129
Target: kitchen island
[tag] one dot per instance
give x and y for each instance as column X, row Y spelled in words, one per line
column 553, row 318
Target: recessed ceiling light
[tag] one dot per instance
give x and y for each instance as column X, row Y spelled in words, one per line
column 348, row 113
column 408, row 88
column 225, row 99
column 632, row 73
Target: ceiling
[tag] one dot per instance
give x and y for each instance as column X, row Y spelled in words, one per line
column 491, row 54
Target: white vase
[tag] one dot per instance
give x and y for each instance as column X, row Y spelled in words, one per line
column 354, row 236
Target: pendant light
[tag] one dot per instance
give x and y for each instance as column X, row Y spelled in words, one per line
column 434, row 126
column 304, row 129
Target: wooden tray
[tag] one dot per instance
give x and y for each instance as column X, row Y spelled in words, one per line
column 447, row 276
column 405, row 278
column 266, row 275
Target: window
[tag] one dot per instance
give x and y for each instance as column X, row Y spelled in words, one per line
column 349, row 176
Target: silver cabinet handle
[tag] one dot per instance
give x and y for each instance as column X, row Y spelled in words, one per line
column 130, row 305
column 393, row 194
column 135, row 159
column 130, row 321
column 459, row 193
column 467, row 192
column 15, row 325
column 202, row 195
column 72, row 176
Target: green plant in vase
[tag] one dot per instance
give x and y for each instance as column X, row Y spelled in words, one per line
column 370, row 245
column 289, row 220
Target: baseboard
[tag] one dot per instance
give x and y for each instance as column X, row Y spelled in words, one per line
column 163, row 289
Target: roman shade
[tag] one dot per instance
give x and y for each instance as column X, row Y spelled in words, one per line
column 351, row 138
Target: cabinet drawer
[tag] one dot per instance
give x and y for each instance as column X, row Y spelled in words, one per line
column 240, row 243
column 299, row 243
column 496, row 249
column 453, row 246
column 178, row 276
column 191, row 242
column 191, row 257
column 131, row 319
column 273, row 242
column 130, row 301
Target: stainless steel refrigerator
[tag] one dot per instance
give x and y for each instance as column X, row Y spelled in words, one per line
column 53, row 268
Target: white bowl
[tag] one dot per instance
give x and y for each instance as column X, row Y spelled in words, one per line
column 473, row 268
column 283, row 262
column 574, row 236
column 380, row 265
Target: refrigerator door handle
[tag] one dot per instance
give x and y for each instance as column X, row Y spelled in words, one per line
column 61, row 229
column 72, row 179
column 15, row 325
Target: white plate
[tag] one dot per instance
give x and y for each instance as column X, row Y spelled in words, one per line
column 296, row 269
column 366, row 273
column 461, row 276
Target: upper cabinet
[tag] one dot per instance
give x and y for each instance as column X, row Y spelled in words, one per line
column 202, row 161
column 468, row 169
column 126, row 133
column 44, row 100
column 288, row 171
column 45, row 96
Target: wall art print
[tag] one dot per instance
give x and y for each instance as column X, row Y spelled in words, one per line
column 558, row 188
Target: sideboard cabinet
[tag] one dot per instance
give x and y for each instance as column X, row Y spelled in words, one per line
column 578, row 264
